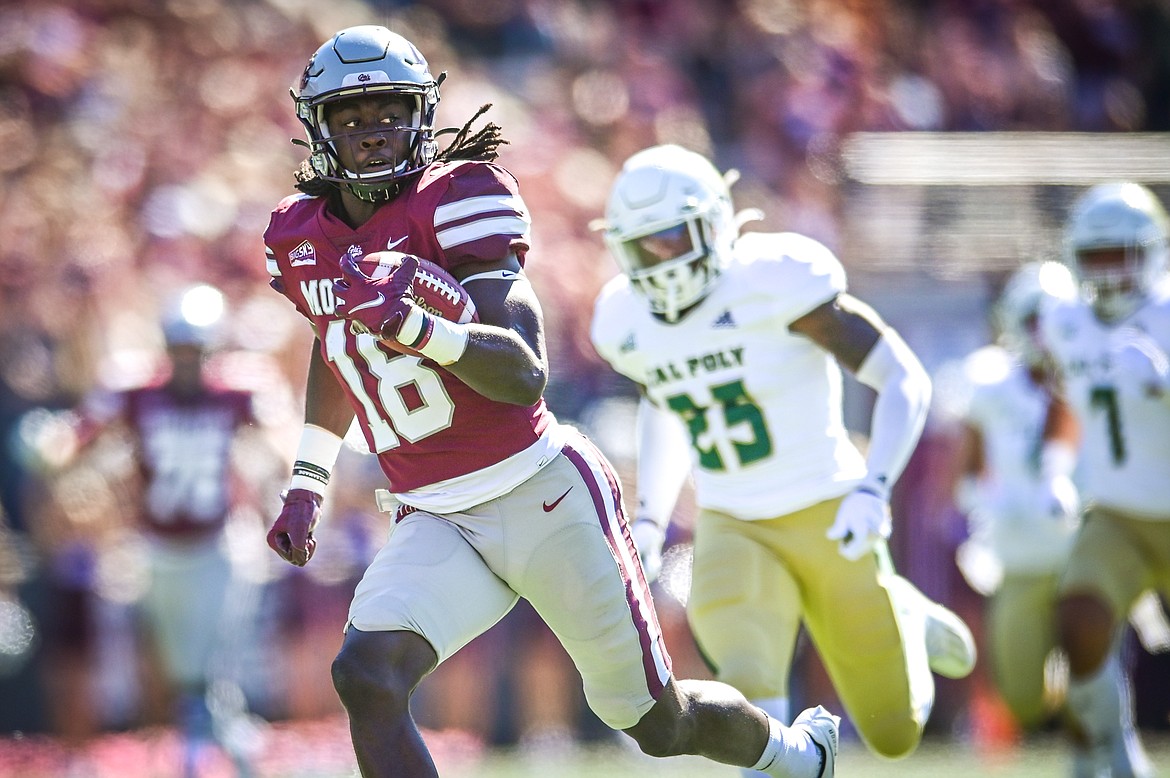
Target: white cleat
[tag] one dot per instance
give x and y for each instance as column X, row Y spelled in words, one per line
column 950, row 645
column 823, row 728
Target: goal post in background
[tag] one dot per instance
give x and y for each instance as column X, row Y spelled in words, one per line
column 953, row 204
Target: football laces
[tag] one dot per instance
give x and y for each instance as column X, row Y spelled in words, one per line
column 436, row 284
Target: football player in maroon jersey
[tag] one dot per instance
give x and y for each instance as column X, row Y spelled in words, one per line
column 491, row 499
column 189, row 430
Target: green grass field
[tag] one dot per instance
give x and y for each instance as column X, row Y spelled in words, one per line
column 321, row 749
column 1045, row 758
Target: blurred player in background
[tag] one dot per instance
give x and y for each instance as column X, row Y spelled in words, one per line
column 200, row 458
column 736, row 341
column 1110, row 346
column 1015, row 465
column 491, row 498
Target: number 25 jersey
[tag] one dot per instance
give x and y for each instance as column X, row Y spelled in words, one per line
column 762, row 404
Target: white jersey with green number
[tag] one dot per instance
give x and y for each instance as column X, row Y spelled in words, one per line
column 762, row 405
column 1125, row 453
column 1000, row 400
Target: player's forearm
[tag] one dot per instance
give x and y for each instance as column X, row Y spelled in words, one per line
column 899, row 413
column 501, row 366
column 326, row 405
column 663, row 462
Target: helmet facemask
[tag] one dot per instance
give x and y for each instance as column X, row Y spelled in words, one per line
column 360, row 62
column 671, row 265
column 1113, row 280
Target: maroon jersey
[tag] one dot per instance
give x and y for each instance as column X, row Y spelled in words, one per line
column 184, row 455
column 424, row 424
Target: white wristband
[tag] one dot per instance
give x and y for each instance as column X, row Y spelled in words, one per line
column 315, row 458
column 438, row 339
column 1057, row 458
column 412, row 328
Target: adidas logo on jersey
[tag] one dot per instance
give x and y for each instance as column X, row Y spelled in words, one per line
column 629, row 344
column 724, row 321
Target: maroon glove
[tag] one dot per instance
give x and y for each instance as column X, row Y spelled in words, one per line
column 291, row 535
column 380, row 305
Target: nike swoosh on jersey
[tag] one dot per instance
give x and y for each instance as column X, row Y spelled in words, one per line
column 550, row 506
column 381, row 298
column 390, row 244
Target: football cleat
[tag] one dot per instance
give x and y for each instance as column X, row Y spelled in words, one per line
column 950, row 645
column 823, row 728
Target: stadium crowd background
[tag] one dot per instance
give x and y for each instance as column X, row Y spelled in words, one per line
column 144, row 143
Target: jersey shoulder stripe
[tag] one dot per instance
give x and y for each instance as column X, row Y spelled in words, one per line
column 478, row 213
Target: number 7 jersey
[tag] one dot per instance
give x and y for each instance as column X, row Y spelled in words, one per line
column 762, row 405
column 1125, row 449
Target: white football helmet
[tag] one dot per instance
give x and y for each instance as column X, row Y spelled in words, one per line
column 195, row 318
column 670, row 225
column 1015, row 312
column 362, row 60
column 1124, row 216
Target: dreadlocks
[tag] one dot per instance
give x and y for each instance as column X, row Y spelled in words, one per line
column 482, row 146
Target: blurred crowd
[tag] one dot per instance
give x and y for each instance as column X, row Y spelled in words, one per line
column 145, row 141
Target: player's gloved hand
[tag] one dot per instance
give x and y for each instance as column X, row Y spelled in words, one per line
column 1137, row 364
column 291, row 535
column 862, row 520
column 649, row 538
column 1058, row 499
column 382, row 305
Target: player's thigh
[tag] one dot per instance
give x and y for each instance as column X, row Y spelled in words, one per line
column 186, row 629
column 576, row 565
column 1021, row 635
column 429, row 580
column 1116, row 558
column 745, row 606
column 1153, row 537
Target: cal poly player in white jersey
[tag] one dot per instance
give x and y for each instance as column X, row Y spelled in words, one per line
column 735, row 341
column 1016, row 459
column 1111, row 345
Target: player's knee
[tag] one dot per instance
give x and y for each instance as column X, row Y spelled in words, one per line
column 660, row 732
column 658, row 739
column 366, row 672
column 893, row 738
column 1086, row 631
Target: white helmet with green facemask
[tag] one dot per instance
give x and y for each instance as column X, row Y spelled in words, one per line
column 670, row 225
column 1116, row 245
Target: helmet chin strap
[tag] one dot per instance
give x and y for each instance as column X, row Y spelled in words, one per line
column 1115, row 306
column 377, row 192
